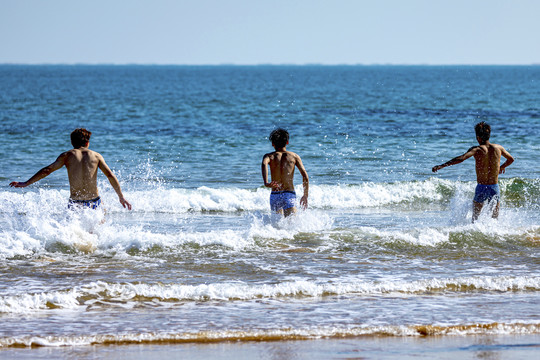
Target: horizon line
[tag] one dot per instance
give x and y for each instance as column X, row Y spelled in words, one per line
column 254, row 65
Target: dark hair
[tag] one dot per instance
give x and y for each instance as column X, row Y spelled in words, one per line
column 80, row 137
column 279, row 137
column 483, row 131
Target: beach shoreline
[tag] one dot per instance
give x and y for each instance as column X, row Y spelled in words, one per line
column 365, row 347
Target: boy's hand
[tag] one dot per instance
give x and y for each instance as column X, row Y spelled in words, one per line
column 125, row 203
column 304, row 202
column 18, row 184
column 274, row 185
column 437, row 168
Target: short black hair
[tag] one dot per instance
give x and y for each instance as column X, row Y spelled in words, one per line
column 279, row 137
column 80, row 137
column 483, row 131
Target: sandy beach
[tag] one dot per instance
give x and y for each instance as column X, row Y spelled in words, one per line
column 450, row 347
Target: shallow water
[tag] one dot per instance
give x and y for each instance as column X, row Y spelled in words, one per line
column 470, row 347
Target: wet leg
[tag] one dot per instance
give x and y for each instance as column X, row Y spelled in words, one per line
column 477, row 208
column 496, row 211
column 289, row 211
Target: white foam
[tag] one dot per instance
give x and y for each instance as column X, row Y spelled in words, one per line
column 304, row 333
column 375, row 194
column 34, row 221
column 36, row 231
column 126, row 292
column 32, row 302
column 178, row 200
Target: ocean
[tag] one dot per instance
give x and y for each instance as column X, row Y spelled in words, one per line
column 385, row 261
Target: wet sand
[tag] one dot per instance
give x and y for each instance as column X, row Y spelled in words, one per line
column 444, row 347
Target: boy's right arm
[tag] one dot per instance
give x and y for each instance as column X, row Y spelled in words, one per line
column 47, row 170
column 457, row 159
column 264, row 169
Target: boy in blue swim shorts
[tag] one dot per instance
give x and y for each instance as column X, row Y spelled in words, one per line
column 282, row 164
column 90, row 204
column 488, row 168
column 282, row 200
column 485, row 193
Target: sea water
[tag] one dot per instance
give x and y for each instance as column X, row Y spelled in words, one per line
column 385, row 248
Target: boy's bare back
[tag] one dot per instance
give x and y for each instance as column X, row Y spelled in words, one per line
column 82, row 165
column 488, row 162
column 282, row 164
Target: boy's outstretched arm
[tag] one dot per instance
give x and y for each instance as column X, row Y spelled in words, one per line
column 305, row 183
column 114, row 182
column 46, row 171
column 509, row 160
column 457, row 159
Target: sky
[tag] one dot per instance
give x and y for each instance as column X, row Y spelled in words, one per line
column 250, row 32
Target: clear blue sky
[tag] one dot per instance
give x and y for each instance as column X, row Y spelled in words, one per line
column 270, row 31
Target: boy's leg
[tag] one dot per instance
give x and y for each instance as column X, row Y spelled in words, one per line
column 289, row 211
column 496, row 211
column 477, row 208
column 275, row 203
column 289, row 201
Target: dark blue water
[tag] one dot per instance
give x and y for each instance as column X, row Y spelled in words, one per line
column 196, row 124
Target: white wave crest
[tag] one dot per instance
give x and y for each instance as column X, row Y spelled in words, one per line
column 522, row 328
column 177, row 200
column 127, row 292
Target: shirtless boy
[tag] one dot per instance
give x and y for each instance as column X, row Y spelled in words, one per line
column 488, row 168
column 282, row 163
column 82, row 165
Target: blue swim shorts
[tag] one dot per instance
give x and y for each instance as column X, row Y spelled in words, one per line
column 91, row 204
column 486, row 192
column 282, row 200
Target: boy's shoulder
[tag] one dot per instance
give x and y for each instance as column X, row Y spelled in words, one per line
column 494, row 146
column 294, row 154
column 287, row 153
column 78, row 152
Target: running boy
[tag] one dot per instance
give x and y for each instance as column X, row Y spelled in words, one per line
column 488, row 168
column 282, row 163
column 82, row 165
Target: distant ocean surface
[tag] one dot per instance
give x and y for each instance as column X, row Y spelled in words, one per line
column 385, row 249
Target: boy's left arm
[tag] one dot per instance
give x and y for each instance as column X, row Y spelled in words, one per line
column 114, row 182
